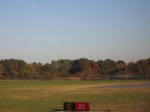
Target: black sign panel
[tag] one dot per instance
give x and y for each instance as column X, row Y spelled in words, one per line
column 69, row 106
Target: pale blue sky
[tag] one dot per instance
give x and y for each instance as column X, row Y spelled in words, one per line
column 45, row 30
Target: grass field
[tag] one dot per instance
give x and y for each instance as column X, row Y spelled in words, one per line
column 46, row 96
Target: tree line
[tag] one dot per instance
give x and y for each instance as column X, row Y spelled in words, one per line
column 81, row 68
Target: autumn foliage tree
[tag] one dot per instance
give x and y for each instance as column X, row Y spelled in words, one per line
column 82, row 68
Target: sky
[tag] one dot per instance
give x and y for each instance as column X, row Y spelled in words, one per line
column 46, row 30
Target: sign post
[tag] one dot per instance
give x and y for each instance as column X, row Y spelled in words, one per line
column 76, row 106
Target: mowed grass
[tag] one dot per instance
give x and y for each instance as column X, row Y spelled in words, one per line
column 47, row 96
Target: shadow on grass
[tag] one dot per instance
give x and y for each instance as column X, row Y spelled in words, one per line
column 61, row 110
column 58, row 110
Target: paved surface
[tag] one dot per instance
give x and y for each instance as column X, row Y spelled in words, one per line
column 124, row 86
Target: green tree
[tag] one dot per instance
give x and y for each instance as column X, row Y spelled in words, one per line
column 46, row 71
column 109, row 66
column 2, row 69
column 64, row 67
